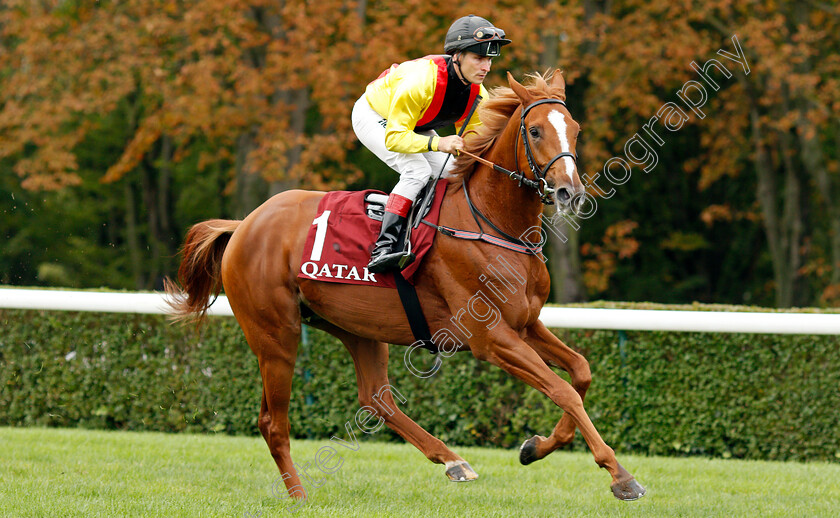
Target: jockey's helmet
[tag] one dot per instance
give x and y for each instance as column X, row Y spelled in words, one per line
column 474, row 34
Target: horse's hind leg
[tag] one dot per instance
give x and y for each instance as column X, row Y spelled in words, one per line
column 276, row 350
column 376, row 395
column 553, row 351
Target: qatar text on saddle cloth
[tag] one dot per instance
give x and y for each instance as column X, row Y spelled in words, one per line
column 341, row 238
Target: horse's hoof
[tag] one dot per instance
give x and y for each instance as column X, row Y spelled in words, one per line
column 528, row 451
column 629, row 490
column 461, row 471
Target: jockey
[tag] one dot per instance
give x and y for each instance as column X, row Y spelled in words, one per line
column 397, row 116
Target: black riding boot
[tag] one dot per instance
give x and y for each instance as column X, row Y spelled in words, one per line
column 387, row 251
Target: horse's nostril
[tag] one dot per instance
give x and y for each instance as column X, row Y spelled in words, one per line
column 563, row 195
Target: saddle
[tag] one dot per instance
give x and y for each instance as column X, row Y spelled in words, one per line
column 341, row 238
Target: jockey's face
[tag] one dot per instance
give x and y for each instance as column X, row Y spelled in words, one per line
column 474, row 68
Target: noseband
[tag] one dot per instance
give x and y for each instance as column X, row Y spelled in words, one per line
column 541, row 185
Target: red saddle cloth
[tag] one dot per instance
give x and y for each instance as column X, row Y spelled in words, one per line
column 341, row 238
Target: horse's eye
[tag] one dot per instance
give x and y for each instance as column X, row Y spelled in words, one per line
column 535, row 132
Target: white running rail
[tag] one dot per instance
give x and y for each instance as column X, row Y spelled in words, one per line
column 102, row 302
column 573, row 318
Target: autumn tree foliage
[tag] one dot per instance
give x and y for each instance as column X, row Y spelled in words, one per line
column 135, row 118
column 773, row 130
column 230, row 74
column 259, row 90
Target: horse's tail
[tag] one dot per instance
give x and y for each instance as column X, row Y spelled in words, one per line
column 200, row 272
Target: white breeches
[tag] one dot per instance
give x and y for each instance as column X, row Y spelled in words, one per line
column 415, row 169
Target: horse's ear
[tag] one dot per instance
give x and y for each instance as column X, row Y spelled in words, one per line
column 557, row 81
column 520, row 91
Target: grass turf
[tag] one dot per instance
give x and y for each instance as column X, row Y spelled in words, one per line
column 70, row 472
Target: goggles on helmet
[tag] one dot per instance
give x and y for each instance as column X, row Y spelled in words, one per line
column 488, row 33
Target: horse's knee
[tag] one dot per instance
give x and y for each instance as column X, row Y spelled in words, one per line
column 263, row 423
column 581, row 374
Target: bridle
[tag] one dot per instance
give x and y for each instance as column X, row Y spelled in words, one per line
column 540, row 184
column 546, row 192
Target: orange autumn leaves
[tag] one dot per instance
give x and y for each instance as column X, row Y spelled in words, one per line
column 601, row 260
column 265, row 88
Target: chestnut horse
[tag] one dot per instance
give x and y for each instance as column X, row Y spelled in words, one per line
column 257, row 260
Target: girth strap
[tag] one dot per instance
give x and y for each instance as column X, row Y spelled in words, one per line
column 416, row 319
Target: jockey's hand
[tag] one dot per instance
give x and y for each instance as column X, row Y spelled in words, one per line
column 451, row 144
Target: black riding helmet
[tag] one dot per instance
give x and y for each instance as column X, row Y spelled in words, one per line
column 474, row 34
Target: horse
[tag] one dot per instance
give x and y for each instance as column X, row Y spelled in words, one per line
column 256, row 260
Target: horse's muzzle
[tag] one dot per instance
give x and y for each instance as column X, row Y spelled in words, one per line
column 568, row 200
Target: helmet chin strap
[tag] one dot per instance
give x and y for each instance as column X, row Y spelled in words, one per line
column 457, row 63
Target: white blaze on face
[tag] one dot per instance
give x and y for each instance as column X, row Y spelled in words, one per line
column 559, row 122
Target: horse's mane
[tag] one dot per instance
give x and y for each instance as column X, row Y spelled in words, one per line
column 495, row 113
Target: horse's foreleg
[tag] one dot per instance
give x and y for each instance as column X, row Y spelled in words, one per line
column 553, row 351
column 377, row 397
column 505, row 349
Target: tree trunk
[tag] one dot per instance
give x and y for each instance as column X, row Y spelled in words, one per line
column 164, row 199
column 361, row 11
column 168, row 238
column 791, row 225
column 835, row 224
column 299, row 98
column 134, row 105
column 250, row 187
column 132, row 239
column 810, row 149
column 270, row 20
column 766, row 195
column 814, row 161
column 564, row 265
column 150, row 196
column 783, row 233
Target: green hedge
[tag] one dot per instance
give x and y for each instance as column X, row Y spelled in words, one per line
column 721, row 395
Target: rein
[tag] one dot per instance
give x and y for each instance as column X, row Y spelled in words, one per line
column 506, row 241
